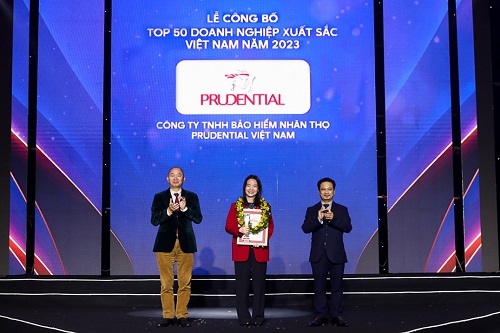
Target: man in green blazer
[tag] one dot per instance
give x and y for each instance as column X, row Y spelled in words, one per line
column 174, row 210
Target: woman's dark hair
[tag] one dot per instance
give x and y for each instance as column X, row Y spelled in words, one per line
column 259, row 193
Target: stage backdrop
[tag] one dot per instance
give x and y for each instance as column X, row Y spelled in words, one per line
column 418, row 118
column 224, row 89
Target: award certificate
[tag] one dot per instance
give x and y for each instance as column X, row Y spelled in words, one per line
column 252, row 217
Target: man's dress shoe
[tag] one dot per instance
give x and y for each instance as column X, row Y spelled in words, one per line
column 339, row 321
column 165, row 322
column 318, row 321
column 183, row 322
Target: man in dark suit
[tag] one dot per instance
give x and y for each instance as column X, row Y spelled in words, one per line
column 327, row 221
column 174, row 210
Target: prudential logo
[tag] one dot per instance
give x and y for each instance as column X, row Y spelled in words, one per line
column 243, row 87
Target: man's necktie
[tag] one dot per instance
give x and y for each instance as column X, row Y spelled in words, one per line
column 176, row 198
column 176, row 211
column 325, row 206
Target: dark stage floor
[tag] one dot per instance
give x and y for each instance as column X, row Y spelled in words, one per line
column 411, row 305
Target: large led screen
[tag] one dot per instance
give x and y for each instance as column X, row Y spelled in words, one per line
column 69, row 138
column 224, row 89
column 419, row 127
